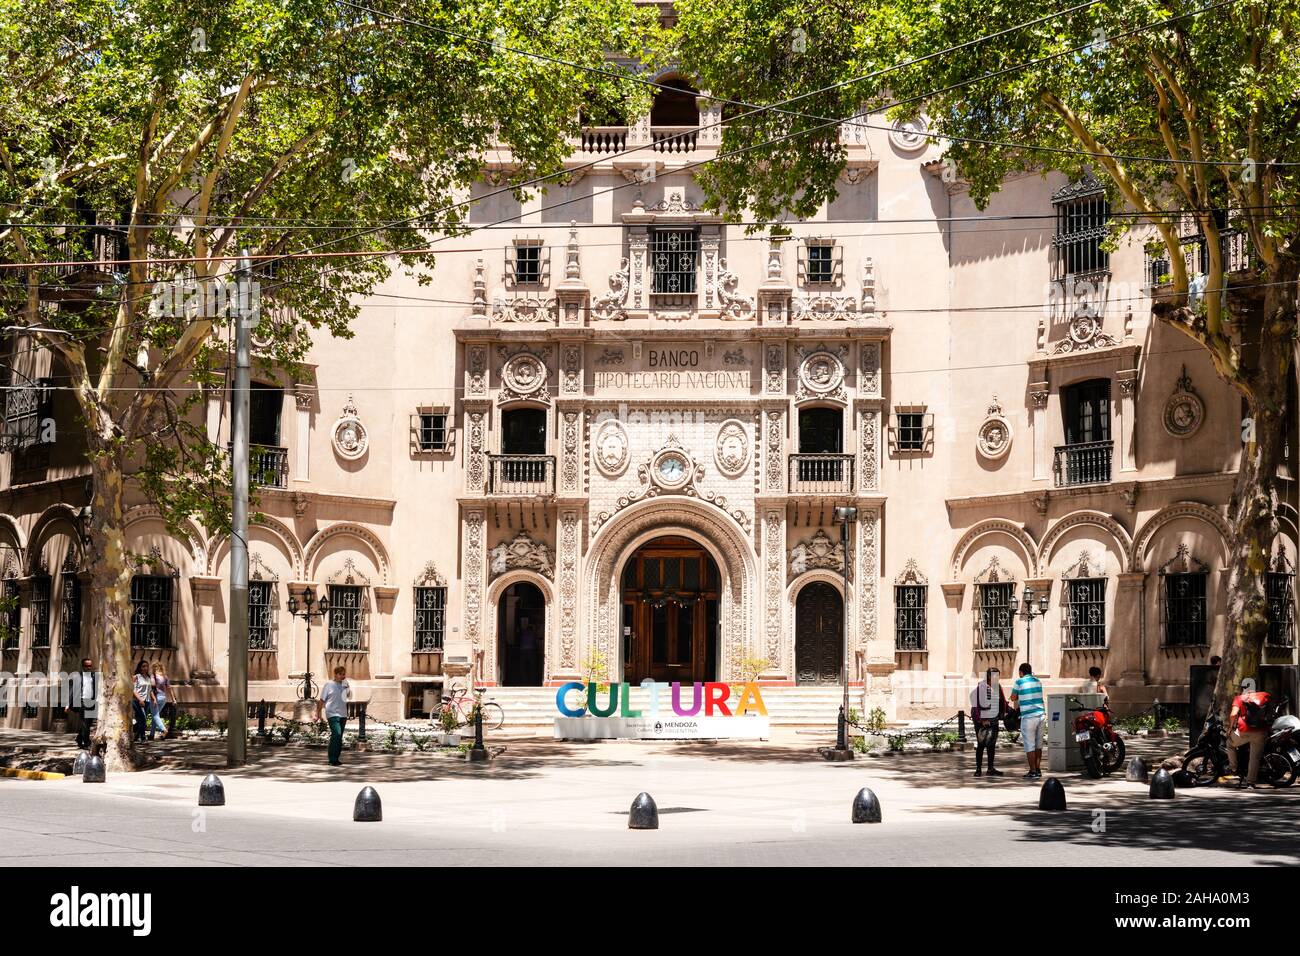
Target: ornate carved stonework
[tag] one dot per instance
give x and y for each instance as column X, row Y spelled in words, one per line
column 1084, row 567
column 258, row 570
column 867, row 564
column 1038, row 398
column 834, row 308
column 349, row 434
column 570, row 472
column 1184, row 412
column 775, row 434
column 571, row 379
column 774, row 370
column 869, row 383
column 613, row 305
column 636, row 244
column 868, row 305
column 994, row 440
column 609, row 357
column 819, row 552
column 610, row 449
column 475, row 532
column 731, row 449
column 732, row 304
column 568, row 589
column 477, row 384
column 774, row 579
column 523, row 376
column 994, row 573
column 524, row 308
column 869, row 430
column 349, row 574
column 911, row 574
column 909, row 136
column 475, row 465
column 672, row 470
column 429, row 577
column 1183, row 562
column 821, row 374
column 522, row 552
column 1085, row 334
column 674, row 201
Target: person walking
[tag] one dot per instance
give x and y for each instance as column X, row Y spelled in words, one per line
column 333, row 701
column 85, row 702
column 142, row 694
column 1249, row 725
column 162, row 690
column 987, row 706
column 1027, row 694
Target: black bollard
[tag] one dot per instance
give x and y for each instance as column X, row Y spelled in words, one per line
column 478, row 751
column 866, row 808
column 1052, row 796
column 961, row 726
column 644, row 815
column 1162, row 785
column 79, row 762
column 1137, row 771
column 212, row 792
column 361, row 720
column 368, row 808
column 94, row 772
column 1183, row 778
column 261, row 718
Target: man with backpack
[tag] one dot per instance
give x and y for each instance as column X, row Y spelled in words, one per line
column 1249, row 724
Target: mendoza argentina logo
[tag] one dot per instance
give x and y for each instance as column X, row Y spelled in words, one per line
column 76, row 909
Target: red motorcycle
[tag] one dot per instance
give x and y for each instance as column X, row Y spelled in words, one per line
column 1099, row 742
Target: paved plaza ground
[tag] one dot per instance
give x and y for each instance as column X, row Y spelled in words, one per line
column 544, row 802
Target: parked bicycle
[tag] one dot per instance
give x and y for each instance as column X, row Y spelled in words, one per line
column 460, row 702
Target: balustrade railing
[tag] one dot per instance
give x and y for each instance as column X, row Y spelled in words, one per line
column 1087, row 463
column 830, row 474
column 521, row 475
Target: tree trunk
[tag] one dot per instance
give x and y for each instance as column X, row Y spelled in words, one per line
column 1252, row 511
column 110, row 609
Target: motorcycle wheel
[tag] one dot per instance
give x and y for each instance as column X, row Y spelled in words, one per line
column 1115, row 757
column 1277, row 770
column 1199, row 762
column 1091, row 763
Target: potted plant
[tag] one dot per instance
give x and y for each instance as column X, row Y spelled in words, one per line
column 449, row 721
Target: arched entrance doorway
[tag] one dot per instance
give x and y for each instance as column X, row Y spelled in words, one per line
column 670, row 593
column 818, row 634
column 521, row 635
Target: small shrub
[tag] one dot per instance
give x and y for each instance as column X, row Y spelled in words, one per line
column 289, row 729
column 936, row 739
column 448, row 718
column 852, row 716
column 420, row 740
column 897, row 743
column 864, row 746
column 390, row 740
column 877, row 719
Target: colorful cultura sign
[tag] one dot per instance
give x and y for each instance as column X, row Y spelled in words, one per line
column 707, row 716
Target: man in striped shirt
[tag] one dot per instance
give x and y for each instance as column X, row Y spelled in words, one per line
column 1027, row 694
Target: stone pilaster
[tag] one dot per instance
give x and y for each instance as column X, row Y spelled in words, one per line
column 473, row 568
column 572, row 456
column 957, row 653
column 568, row 561
column 777, row 646
column 1126, row 636
column 384, row 663
column 1038, row 392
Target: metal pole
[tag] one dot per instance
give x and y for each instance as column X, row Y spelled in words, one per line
column 841, row 741
column 237, row 673
column 306, row 676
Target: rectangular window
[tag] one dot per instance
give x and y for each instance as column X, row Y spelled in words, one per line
column 70, row 613
column 1185, row 610
column 432, row 431
column 41, row 611
column 151, row 611
column 347, row 617
column 820, row 269
column 1081, row 229
column 909, row 617
column 528, row 264
column 1280, row 588
column 995, row 616
column 674, row 257
column 911, row 431
column 11, row 621
column 261, row 630
column 1084, row 618
column 430, row 618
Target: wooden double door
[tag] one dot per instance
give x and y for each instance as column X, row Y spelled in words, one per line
column 818, row 634
column 670, row 613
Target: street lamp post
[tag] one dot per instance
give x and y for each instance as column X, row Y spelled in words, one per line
column 306, row 610
column 1030, row 609
column 846, row 516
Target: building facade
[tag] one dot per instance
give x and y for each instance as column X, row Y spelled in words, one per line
column 611, row 435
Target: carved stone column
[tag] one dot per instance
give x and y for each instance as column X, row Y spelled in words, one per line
column 304, row 398
column 778, row 649
column 1038, row 423
column 709, row 260
column 874, row 644
column 637, row 245
column 564, row 659
column 957, row 655
column 1127, row 635
column 572, row 457
column 476, row 419
column 1126, row 427
column 385, row 598
column 474, row 570
column 773, row 440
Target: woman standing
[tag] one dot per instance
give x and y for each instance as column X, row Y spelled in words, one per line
column 162, row 692
column 142, row 693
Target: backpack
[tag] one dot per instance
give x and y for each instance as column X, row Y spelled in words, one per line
column 1255, row 716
